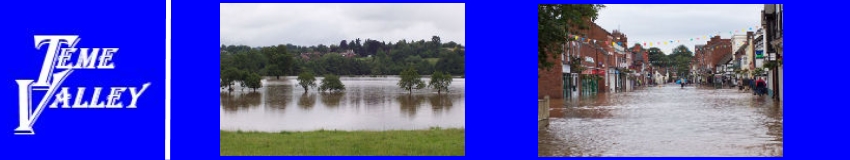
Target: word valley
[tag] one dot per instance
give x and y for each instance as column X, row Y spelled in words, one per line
column 112, row 99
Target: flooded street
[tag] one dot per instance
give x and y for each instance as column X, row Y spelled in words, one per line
column 368, row 103
column 664, row 121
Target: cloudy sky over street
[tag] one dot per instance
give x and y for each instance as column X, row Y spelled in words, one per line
column 312, row 24
column 658, row 23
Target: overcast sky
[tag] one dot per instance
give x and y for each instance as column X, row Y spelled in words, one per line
column 256, row 24
column 664, row 22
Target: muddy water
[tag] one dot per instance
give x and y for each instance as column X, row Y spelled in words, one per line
column 368, row 103
column 665, row 121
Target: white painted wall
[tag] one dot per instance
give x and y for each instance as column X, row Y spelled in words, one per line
column 738, row 41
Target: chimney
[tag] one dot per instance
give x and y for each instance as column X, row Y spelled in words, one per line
column 749, row 35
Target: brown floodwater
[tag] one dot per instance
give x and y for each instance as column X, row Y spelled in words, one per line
column 368, row 103
column 665, row 121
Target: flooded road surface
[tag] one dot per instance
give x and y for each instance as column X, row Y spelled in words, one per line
column 665, row 121
column 368, row 103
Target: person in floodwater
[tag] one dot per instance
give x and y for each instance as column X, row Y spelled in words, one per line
column 761, row 85
column 683, row 83
column 740, row 84
column 753, row 86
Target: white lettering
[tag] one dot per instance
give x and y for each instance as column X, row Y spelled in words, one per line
column 111, row 100
column 94, row 96
column 78, row 101
column 136, row 95
column 106, row 58
column 87, row 60
column 59, row 62
column 61, row 97
column 53, row 43
column 64, row 57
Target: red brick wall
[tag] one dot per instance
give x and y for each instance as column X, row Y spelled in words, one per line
column 715, row 49
column 550, row 81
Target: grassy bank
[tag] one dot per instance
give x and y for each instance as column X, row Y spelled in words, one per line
column 322, row 142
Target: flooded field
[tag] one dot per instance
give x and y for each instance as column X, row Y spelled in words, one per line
column 368, row 103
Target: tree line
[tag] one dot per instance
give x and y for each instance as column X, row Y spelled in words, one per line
column 679, row 60
column 371, row 57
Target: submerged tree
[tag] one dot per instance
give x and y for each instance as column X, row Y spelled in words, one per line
column 410, row 80
column 228, row 76
column 440, row 81
column 331, row 83
column 306, row 80
column 253, row 81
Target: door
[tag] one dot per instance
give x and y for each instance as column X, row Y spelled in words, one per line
column 565, row 77
column 574, row 84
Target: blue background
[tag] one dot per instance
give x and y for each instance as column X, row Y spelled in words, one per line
column 137, row 29
column 501, row 47
column 501, row 43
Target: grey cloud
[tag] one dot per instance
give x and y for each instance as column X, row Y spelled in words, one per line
column 312, row 24
column 664, row 22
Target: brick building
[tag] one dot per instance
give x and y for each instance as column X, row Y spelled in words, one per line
column 718, row 52
column 700, row 64
column 595, row 52
column 640, row 62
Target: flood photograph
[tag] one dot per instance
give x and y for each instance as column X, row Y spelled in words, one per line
column 617, row 80
column 342, row 79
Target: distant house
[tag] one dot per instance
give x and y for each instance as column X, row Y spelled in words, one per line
column 348, row 54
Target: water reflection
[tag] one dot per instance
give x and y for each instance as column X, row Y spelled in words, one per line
column 332, row 99
column 368, row 103
column 410, row 104
column 375, row 98
column 277, row 96
column 239, row 100
column 355, row 98
column 593, row 113
column 440, row 102
column 307, row 101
